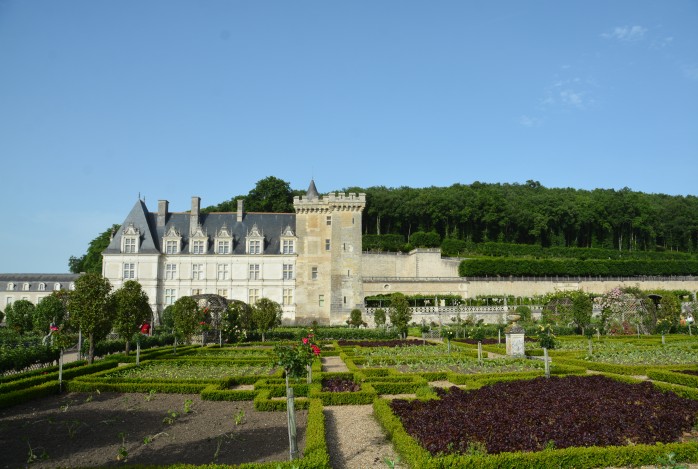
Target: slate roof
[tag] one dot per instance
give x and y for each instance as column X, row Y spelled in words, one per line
column 34, row 280
column 270, row 224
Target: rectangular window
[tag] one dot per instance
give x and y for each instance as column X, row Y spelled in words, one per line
column 345, row 300
column 129, row 270
column 288, row 296
column 198, row 247
column 197, row 271
column 8, row 300
column 222, row 271
column 196, row 291
column 254, row 272
column 313, row 273
column 255, row 246
column 288, row 246
column 130, row 245
column 223, row 247
column 329, row 220
column 252, row 296
column 171, row 247
column 327, row 245
column 321, row 300
column 223, row 292
column 288, row 271
column 170, row 296
column 170, row 271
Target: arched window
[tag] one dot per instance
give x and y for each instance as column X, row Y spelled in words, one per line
column 25, row 286
column 42, row 287
column 10, row 286
column 56, row 286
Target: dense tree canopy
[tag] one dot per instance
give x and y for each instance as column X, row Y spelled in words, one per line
column 532, row 214
column 91, row 261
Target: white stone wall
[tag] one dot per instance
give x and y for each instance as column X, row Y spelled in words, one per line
column 419, row 263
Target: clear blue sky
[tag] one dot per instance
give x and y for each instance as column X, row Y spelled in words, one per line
column 103, row 100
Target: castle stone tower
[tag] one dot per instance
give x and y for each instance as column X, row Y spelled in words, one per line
column 328, row 268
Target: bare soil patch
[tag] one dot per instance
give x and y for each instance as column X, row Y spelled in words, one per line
column 90, row 429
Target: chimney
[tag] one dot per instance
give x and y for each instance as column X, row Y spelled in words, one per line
column 194, row 214
column 162, row 212
column 239, row 210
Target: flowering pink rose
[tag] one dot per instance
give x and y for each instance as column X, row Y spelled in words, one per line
column 305, row 340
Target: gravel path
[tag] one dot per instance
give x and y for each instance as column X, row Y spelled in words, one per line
column 333, row 364
column 355, row 440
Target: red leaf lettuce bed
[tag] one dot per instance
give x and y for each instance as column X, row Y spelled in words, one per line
column 536, row 414
column 340, row 385
column 382, row 343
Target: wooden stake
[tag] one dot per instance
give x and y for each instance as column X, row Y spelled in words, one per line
column 290, row 412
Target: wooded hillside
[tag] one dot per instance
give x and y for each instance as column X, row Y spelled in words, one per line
column 532, row 214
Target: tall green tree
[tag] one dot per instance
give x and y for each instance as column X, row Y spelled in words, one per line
column 399, row 313
column 91, row 261
column 50, row 310
column 92, row 310
column 20, row 316
column 132, row 310
column 270, row 194
column 267, row 315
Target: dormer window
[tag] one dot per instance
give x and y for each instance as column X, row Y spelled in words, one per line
column 199, row 241
column 56, row 286
column 172, row 241
column 224, row 241
column 129, row 239
column 10, row 286
column 255, row 241
column 42, row 287
column 72, row 286
column 288, row 241
column 25, row 287
column 198, row 247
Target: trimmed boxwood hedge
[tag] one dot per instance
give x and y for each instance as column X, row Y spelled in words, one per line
column 499, row 266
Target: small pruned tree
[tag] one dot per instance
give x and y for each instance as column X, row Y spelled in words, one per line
column 355, row 319
column 185, row 314
column 240, row 313
column 50, row 310
column 20, row 316
column 91, row 307
column 379, row 317
column 582, row 309
column 131, row 310
column 166, row 318
column 267, row 315
column 399, row 313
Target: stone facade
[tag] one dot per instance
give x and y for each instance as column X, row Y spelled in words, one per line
column 32, row 287
column 308, row 261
